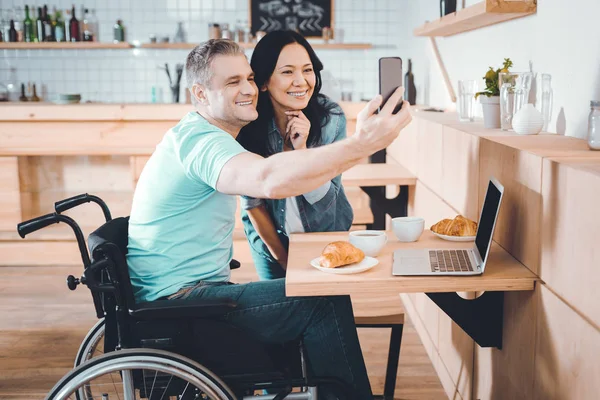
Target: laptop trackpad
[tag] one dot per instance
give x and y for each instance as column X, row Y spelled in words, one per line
column 414, row 264
column 411, row 262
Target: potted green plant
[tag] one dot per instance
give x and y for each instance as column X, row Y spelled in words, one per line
column 490, row 102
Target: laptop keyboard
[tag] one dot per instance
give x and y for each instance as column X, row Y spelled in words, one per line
column 450, row 261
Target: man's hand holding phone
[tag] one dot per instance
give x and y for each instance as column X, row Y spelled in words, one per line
column 376, row 131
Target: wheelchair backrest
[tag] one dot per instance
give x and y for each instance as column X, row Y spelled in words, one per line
column 109, row 243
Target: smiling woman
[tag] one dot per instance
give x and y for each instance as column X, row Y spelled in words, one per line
column 293, row 115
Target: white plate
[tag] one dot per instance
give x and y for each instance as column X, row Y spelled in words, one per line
column 455, row 238
column 366, row 264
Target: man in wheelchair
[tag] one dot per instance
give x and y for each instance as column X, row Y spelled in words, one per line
column 180, row 240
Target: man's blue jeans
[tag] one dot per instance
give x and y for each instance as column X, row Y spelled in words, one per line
column 325, row 324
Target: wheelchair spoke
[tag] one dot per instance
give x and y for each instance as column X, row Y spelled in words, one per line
column 165, row 391
column 184, row 390
column 153, row 383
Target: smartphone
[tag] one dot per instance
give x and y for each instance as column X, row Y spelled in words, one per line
column 390, row 78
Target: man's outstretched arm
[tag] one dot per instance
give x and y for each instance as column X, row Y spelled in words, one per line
column 293, row 173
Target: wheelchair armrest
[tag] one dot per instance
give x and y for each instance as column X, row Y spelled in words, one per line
column 181, row 308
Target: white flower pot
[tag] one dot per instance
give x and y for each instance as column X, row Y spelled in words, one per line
column 491, row 111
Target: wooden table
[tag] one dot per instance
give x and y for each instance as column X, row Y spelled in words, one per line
column 481, row 318
column 372, row 179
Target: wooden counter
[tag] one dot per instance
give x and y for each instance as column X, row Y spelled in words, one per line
column 548, row 221
column 50, row 152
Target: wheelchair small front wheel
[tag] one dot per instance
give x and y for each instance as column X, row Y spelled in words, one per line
column 141, row 374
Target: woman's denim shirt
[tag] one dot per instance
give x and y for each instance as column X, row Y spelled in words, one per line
column 324, row 209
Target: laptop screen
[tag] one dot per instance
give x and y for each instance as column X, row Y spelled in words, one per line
column 489, row 212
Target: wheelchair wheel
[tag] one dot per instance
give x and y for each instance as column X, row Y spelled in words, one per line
column 141, row 374
column 93, row 344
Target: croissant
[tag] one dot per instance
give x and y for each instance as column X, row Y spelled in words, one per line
column 459, row 226
column 338, row 254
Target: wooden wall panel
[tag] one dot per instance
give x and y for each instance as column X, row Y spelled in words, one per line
column 570, row 256
column 95, row 138
column 451, row 350
column 430, row 155
column 460, row 172
column 423, row 313
column 75, row 173
column 403, row 149
column 10, row 201
column 518, row 226
column 30, row 252
column 45, row 180
column 566, row 352
column 426, row 204
column 137, row 164
column 456, row 353
column 508, row 373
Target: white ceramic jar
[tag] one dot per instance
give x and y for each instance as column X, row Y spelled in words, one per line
column 528, row 120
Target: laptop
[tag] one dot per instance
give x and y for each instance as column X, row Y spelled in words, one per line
column 455, row 261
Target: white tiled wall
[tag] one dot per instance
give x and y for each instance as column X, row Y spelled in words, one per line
column 128, row 75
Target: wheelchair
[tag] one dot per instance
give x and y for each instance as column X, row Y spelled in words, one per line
column 166, row 349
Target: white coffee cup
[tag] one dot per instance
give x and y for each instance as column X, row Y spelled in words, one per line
column 370, row 242
column 408, row 229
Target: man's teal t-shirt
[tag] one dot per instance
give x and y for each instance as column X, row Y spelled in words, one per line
column 181, row 228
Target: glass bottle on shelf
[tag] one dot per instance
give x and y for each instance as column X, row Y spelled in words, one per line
column 59, row 26
column 546, row 100
column 86, row 27
column 593, row 136
column 5, row 27
column 239, row 32
column 94, row 26
column 23, row 96
column 67, row 25
column 12, row 33
column 3, row 92
column 34, row 96
column 48, row 26
column 39, row 26
column 17, row 12
column 180, row 34
column 409, row 85
column 12, row 85
column 28, row 28
column 118, row 32
column 74, row 33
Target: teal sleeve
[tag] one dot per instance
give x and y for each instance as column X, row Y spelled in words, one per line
column 209, row 154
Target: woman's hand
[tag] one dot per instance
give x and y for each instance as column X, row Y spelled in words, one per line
column 297, row 129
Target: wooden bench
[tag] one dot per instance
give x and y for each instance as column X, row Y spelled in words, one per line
column 372, row 179
column 376, row 313
column 368, row 175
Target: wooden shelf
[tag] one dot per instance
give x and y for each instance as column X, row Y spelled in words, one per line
column 488, row 12
column 328, row 46
column 64, row 45
column 99, row 45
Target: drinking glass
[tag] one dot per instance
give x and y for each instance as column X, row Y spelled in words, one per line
column 546, row 100
column 514, row 93
column 466, row 94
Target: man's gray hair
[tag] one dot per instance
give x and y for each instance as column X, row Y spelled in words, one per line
column 197, row 64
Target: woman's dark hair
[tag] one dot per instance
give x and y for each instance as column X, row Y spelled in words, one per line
column 254, row 136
